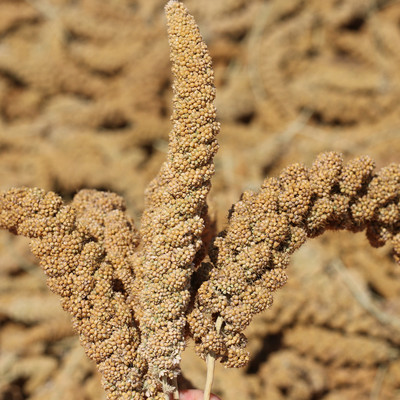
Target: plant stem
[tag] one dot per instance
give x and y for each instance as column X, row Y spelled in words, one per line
column 211, row 364
column 175, row 394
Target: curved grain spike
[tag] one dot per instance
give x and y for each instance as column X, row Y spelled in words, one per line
column 250, row 257
column 83, row 250
column 172, row 223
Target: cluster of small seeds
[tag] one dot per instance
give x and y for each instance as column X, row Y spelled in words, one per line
column 172, row 223
column 90, row 250
column 250, row 257
column 83, row 249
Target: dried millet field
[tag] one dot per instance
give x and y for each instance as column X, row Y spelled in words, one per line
column 85, row 102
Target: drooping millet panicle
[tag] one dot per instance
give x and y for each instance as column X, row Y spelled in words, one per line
column 84, row 249
column 121, row 365
column 250, row 257
column 172, row 223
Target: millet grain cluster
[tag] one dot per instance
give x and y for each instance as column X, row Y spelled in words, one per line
column 249, row 258
column 136, row 297
column 84, row 250
column 172, row 223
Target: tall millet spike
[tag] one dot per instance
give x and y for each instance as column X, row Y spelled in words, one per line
column 172, row 223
